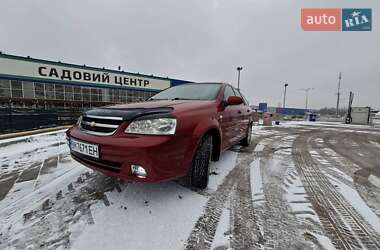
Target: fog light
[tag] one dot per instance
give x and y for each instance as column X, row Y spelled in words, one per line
column 138, row 171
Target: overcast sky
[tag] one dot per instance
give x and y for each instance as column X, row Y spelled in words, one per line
column 204, row 40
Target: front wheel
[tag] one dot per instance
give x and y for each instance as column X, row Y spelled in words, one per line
column 247, row 140
column 200, row 170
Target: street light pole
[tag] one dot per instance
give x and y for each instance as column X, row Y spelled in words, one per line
column 283, row 104
column 338, row 94
column 307, row 95
column 239, row 69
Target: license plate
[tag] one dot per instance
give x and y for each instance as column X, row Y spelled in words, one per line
column 84, row 148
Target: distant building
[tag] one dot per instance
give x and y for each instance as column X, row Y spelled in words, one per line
column 263, row 107
column 292, row 111
column 29, row 82
column 361, row 115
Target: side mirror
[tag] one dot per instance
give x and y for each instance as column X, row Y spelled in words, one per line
column 234, row 100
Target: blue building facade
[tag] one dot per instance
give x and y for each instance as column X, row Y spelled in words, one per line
column 26, row 81
column 291, row 111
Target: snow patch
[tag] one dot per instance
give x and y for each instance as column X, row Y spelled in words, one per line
column 376, row 144
column 221, row 238
column 298, row 199
column 155, row 218
column 260, row 147
column 31, row 137
column 353, row 197
column 256, row 182
column 255, row 128
column 374, row 180
column 324, row 241
column 221, row 168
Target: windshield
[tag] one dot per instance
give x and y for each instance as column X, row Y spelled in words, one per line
column 190, row 91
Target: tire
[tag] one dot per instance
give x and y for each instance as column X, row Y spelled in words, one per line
column 200, row 170
column 247, row 140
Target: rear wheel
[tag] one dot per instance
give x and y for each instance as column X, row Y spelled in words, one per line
column 247, row 140
column 200, row 170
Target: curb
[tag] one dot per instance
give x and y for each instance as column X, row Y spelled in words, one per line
column 31, row 132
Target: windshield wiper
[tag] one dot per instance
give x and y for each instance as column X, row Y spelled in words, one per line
column 180, row 98
column 170, row 99
column 155, row 99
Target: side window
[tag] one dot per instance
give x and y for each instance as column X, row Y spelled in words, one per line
column 245, row 99
column 228, row 91
column 237, row 92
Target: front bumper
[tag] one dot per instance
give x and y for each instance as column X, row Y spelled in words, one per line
column 163, row 157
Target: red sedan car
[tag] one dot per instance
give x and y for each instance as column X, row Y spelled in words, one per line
column 173, row 134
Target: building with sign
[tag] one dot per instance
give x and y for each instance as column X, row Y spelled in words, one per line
column 29, row 82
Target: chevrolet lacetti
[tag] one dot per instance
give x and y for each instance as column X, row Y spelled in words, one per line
column 173, row 134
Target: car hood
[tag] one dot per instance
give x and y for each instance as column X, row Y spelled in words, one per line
column 133, row 110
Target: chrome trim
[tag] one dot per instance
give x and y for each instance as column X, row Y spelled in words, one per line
column 105, row 117
column 97, row 133
column 101, row 125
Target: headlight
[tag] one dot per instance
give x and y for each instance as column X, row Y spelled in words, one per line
column 79, row 121
column 156, row 126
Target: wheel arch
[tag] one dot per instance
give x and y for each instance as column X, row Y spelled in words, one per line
column 216, row 143
column 211, row 127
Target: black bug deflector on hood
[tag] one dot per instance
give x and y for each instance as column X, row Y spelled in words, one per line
column 127, row 114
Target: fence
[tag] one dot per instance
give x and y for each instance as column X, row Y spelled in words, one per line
column 18, row 119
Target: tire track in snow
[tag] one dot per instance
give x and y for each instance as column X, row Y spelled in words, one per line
column 364, row 156
column 279, row 224
column 245, row 232
column 346, row 228
column 204, row 230
column 368, row 192
column 329, row 160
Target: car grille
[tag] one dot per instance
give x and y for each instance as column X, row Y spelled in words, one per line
column 100, row 125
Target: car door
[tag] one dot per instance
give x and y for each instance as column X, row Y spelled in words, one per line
column 228, row 119
column 245, row 115
column 239, row 123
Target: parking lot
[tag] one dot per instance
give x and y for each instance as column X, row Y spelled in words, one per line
column 300, row 185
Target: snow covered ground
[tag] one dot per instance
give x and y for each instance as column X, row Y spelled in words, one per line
column 300, row 185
